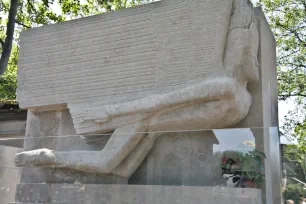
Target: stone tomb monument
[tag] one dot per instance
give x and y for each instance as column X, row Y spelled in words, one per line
column 124, row 98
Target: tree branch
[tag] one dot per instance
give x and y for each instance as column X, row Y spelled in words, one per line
column 19, row 23
column 32, row 6
column 298, row 37
column 2, row 42
column 283, row 96
column 9, row 36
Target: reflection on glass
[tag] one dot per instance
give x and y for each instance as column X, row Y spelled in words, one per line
column 294, row 171
column 241, row 163
column 222, row 166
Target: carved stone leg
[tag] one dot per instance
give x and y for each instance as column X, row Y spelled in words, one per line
column 121, row 143
column 134, row 159
column 89, row 161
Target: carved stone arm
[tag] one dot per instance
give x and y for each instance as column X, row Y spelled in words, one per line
column 214, row 89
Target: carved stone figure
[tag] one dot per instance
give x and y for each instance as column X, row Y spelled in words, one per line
column 216, row 102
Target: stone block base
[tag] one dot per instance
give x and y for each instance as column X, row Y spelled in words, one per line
column 133, row 194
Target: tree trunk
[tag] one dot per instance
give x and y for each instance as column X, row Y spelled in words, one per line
column 7, row 46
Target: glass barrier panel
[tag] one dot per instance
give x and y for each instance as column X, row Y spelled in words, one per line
column 294, row 171
column 199, row 166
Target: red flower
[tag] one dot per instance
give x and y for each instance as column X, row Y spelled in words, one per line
column 224, row 159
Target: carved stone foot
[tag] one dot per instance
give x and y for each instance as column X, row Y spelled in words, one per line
column 36, row 157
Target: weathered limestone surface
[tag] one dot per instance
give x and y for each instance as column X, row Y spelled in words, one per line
column 218, row 101
column 12, row 132
column 54, row 130
column 181, row 159
column 126, row 194
column 12, row 128
column 270, row 110
column 9, row 174
column 125, row 55
column 134, row 75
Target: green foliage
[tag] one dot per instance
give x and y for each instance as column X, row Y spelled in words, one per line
column 76, row 9
column 8, row 81
column 300, row 130
column 294, row 192
column 290, row 151
column 288, row 20
column 250, row 164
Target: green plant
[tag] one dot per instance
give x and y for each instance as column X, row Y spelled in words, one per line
column 294, row 192
column 253, row 166
column 250, row 164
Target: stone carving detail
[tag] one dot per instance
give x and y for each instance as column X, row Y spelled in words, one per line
column 214, row 103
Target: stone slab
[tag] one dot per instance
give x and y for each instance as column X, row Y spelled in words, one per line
column 123, row 55
column 9, row 174
column 32, row 193
column 129, row 194
column 12, row 128
column 12, row 142
column 185, row 158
